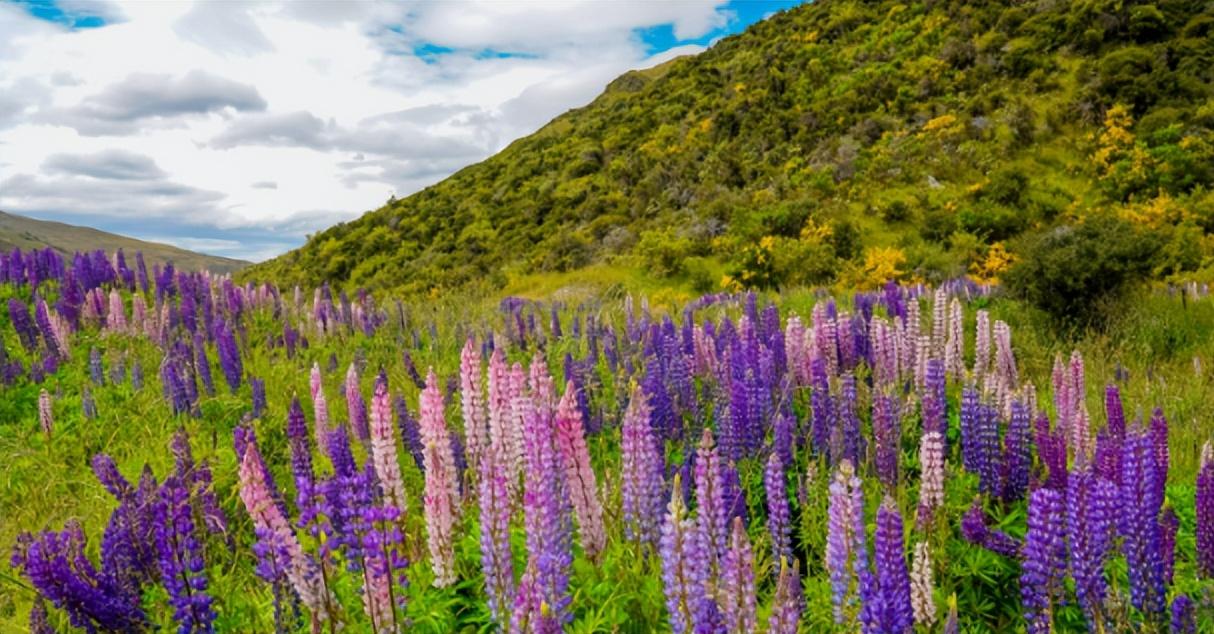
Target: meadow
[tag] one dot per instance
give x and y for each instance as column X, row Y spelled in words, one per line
column 184, row 452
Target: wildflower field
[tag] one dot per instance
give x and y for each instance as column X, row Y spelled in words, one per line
column 181, row 452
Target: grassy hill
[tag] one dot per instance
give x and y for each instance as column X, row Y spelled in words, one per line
column 29, row 233
column 839, row 140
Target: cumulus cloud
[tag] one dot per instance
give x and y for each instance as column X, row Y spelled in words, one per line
column 108, row 164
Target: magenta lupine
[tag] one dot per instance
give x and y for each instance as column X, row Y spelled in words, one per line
column 641, row 480
column 441, row 498
column 788, row 602
column 684, row 562
column 931, row 480
column 1090, row 509
column 711, row 512
column 45, row 418
column 887, row 608
column 846, row 552
column 923, row 586
column 736, row 588
column 273, row 526
column 1044, row 560
column 497, row 561
column 1205, row 512
column 355, row 406
column 583, row 486
column 472, row 401
column 320, row 408
column 779, row 524
column 383, row 447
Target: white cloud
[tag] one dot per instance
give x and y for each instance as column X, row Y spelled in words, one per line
column 274, row 120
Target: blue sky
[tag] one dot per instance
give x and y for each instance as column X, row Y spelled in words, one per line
column 239, row 138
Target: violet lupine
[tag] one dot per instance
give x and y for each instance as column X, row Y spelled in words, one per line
column 931, row 480
column 736, row 585
column 202, row 365
column 712, row 513
column 384, row 577
column 19, row 314
column 383, row 448
column 356, row 408
column 442, row 490
column 975, row 531
column 1090, row 518
column 684, row 562
column 229, row 355
column 273, row 529
column 969, row 421
column 46, row 418
column 583, row 486
column 779, row 523
column 182, row 569
column 546, row 511
column 496, row 558
column 1017, row 454
column 38, row 623
column 472, row 401
column 1139, row 523
column 934, row 403
column 922, row 585
column 1205, row 512
column 1183, row 620
column 788, row 602
column 887, row 608
column 1044, row 560
column 1159, row 451
column 848, row 429
column 846, row 552
column 1168, row 525
column 641, row 480
column 887, row 429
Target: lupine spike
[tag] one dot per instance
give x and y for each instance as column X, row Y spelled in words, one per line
column 441, row 502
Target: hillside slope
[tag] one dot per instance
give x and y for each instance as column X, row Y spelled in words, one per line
column 29, row 233
column 855, row 139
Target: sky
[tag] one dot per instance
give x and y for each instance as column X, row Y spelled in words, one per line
column 237, row 129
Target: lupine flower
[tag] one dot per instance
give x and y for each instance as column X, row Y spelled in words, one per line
column 888, row 607
column 1159, row 451
column 383, row 448
column 258, row 388
column 1090, row 515
column 1139, row 504
column 355, row 406
column 1017, row 454
column 496, row 559
column 971, row 449
column 846, row 552
column 950, row 622
column 45, row 417
column 887, row 428
column 546, row 511
column 931, row 481
column 229, row 355
column 320, row 407
column 410, row 431
column 933, row 402
column 384, row 578
column 923, row 586
column 1205, row 512
column 788, row 602
column 641, row 480
column 37, row 622
column 583, row 487
column 442, row 491
column 472, row 400
column 712, row 513
column 1168, row 525
column 1183, row 621
column 182, row 568
column 737, row 583
column 684, row 562
column 975, row 531
column 849, row 434
column 19, row 314
column 1044, row 560
column 778, row 521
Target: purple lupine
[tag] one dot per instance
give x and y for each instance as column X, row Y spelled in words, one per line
column 1017, row 454
column 37, row 621
column 1159, row 451
column 19, row 314
column 888, row 608
column 496, row 558
column 1090, row 517
column 640, row 473
column 848, row 431
column 969, row 419
column 1044, row 560
column 821, row 405
column 846, row 552
column 1139, row 526
column 1051, row 450
column 1114, row 411
column 975, row 531
column 1205, row 512
column 1183, row 620
column 182, row 569
column 934, row 400
column 229, row 355
column 384, row 579
column 887, row 430
column 712, row 513
column 547, row 513
column 1168, row 525
column 737, row 583
column 410, row 431
column 788, row 602
column 779, row 523
column 684, row 562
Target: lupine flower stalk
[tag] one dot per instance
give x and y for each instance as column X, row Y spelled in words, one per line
column 442, row 491
column 496, row 558
column 182, row 568
column 684, row 565
column 846, row 552
column 711, row 514
column 779, row 524
column 641, row 473
column 45, row 417
column 1205, row 512
column 383, row 448
column 1090, row 515
column 1044, row 560
column 1139, row 504
column 583, row 486
column 472, row 401
column 355, row 406
column 887, row 604
column 923, row 586
column 931, row 480
column 788, row 602
column 546, row 511
column 736, row 591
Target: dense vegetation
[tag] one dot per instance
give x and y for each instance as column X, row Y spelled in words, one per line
column 849, row 141
column 183, row 451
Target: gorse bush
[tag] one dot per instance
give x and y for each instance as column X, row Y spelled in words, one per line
column 1077, row 273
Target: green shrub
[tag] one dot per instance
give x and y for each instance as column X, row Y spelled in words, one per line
column 1076, row 273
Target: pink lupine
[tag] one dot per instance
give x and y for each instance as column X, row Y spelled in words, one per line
column 982, row 345
column 583, row 487
column 472, row 402
column 115, row 320
column 1081, row 436
column 271, row 524
column 1005, row 358
column 954, row 346
column 383, row 447
column 45, row 418
column 499, row 402
column 939, row 318
column 320, row 407
column 931, row 482
column 542, row 389
column 442, row 491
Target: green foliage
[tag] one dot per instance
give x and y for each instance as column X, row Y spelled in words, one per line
column 1076, row 273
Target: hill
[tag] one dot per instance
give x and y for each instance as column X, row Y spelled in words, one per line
column 28, row 233
column 837, row 140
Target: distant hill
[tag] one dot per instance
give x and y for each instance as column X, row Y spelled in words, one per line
column 29, row 233
column 839, row 139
